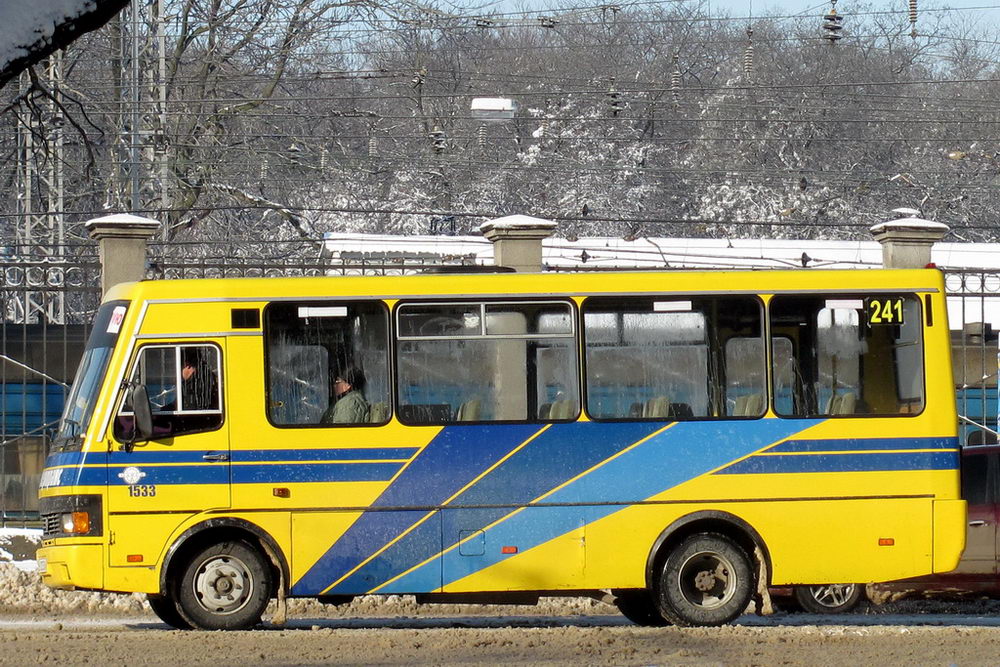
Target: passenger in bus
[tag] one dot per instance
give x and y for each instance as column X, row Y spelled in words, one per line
column 350, row 406
column 199, row 386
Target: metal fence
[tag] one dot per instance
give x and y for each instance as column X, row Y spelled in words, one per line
column 974, row 302
column 48, row 304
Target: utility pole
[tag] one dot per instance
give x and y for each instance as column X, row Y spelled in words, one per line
column 142, row 120
column 41, row 232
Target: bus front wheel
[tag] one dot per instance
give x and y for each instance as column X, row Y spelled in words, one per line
column 225, row 586
column 166, row 610
column 707, row 579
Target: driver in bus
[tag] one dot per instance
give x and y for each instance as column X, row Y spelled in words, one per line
column 350, row 406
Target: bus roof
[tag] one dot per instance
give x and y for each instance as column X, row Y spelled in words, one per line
column 515, row 284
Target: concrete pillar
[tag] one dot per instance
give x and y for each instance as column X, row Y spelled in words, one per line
column 122, row 241
column 517, row 241
column 907, row 240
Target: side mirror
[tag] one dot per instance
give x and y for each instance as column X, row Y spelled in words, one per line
column 143, row 424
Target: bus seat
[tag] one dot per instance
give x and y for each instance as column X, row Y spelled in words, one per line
column 563, row 410
column 841, row 404
column 657, row 407
column 845, row 404
column 543, row 410
column 751, row 405
column 468, row 411
column 378, row 413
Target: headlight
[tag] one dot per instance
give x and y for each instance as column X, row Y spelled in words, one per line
column 75, row 523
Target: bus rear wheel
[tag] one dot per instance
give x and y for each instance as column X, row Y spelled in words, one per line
column 225, row 586
column 166, row 610
column 707, row 579
column 640, row 608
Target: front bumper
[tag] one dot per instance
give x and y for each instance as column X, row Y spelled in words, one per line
column 72, row 566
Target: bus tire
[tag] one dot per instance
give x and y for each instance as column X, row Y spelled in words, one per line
column 707, row 579
column 640, row 608
column 828, row 599
column 166, row 610
column 225, row 586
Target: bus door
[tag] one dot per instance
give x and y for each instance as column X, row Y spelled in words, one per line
column 184, row 468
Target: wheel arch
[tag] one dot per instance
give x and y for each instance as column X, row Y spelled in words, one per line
column 714, row 521
column 217, row 530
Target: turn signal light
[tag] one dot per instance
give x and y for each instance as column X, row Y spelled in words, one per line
column 886, row 541
column 508, row 550
column 76, row 523
column 133, row 558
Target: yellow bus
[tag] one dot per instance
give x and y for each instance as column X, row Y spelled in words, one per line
column 670, row 442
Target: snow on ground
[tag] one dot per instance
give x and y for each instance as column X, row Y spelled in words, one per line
column 21, row 588
column 17, row 546
column 23, row 594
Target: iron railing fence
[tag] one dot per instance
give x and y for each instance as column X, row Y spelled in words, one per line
column 278, row 259
column 974, row 303
column 48, row 301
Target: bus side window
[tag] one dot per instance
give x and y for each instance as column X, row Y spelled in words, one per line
column 486, row 361
column 853, row 354
column 326, row 363
column 674, row 358
column 184, row 389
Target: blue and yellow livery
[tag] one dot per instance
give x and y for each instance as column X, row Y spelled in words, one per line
column 671, row 442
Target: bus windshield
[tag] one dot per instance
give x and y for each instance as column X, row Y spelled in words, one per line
column 89, row 377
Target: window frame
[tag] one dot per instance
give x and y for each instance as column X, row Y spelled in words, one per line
column 383, row 307
column 863, row 296
column 710, row 345
column 177, row 346
column 483, row 301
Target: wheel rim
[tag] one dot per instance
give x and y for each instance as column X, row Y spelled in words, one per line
column 707, row 580
column 223, row 584
column 832, row 595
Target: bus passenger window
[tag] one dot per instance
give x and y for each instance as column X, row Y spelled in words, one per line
column 194, row 370
column 326, row 363
column 674, row 358
column 859, row 354
column 486, row 361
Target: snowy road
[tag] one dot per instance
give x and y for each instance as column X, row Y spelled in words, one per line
column 903, row 639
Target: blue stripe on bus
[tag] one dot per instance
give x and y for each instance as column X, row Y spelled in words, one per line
column 314, row 472
column 206, row 473
column 555, row 456
column 864, row 444
column 64, row 459
column 672, row 457
column 453, row 458
column 340, row 454
column 218, row 473
column 137, row 458
column 847, row 462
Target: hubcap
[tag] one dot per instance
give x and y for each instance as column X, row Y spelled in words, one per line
column 706, row 580
column 832, row 595
column 223, row 585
